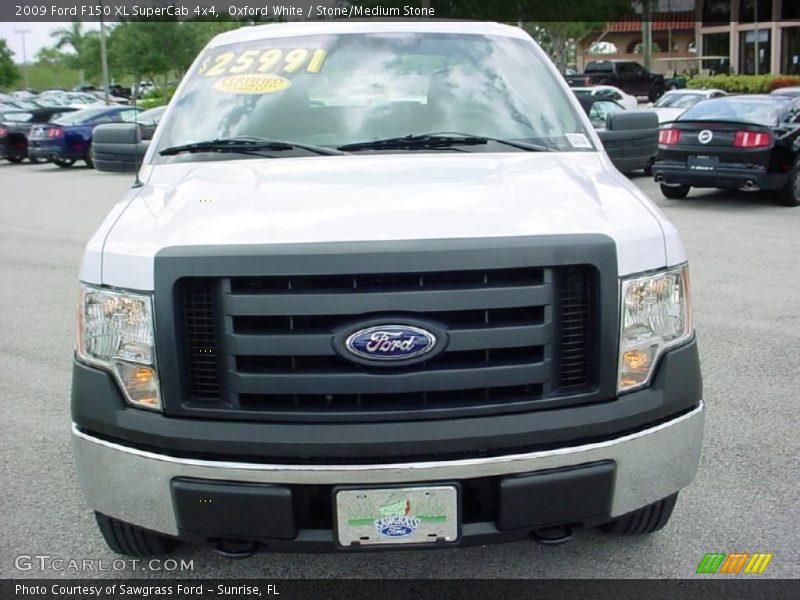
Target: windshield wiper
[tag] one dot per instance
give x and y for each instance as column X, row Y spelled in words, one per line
column 246, row 145
column 439, row 140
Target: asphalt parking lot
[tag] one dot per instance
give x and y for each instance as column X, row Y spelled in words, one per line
column 743, row 251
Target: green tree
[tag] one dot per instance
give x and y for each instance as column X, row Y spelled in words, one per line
column 53, row 69
column 85, row 46
column 148, row 49
column 142, row 48
column 558, row 38
column 52, row 57
column 194, row 35
column 9, row 73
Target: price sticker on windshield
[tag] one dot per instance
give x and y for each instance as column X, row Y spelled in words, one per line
column 578, row 140
column 269, row 61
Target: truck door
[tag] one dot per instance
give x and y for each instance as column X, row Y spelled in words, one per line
column 640, row 81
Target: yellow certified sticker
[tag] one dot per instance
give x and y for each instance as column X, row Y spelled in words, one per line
column 251, row 84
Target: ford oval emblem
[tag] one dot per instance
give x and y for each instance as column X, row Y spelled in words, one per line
column 390, row 342
column 705, row 136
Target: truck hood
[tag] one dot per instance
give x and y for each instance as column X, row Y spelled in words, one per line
column 376, row 197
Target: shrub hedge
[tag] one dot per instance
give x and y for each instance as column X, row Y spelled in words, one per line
column 744, row 84
column 156, row 97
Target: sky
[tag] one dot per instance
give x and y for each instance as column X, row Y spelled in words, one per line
column 38, row 38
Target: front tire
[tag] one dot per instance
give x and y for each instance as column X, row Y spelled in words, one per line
column 655, row 93
column 675, row 192
column 790, row 194
column 646, row 520
column 130, row 540
column 89, row 158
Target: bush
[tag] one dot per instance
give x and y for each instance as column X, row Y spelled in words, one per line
column 743, row 84
column 156, row 97
column 781, row 81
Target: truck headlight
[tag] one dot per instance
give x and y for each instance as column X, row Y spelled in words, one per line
column 655, row 315
column 115, row 332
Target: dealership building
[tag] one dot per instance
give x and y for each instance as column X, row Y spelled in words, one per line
column 736, row 36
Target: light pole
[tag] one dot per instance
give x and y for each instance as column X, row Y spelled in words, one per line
column 104, row 57
column 23, row 33
column 755, row 20
column 647, row 34
column 104, row 61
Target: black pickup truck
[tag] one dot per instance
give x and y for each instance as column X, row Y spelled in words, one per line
column 627, row 75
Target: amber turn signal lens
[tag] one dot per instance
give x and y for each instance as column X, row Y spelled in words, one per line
column 139, row 383
column 634, row 360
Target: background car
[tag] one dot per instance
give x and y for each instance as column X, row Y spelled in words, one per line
column 119, row 147
column 598, row 110
column 12, row 104
column 630, row 137
column 675, row 102
column 608, row 92
column 68, row 139
column 788, row 91
column 113, row 99
column 15, row 128
column 120, row 91
column 22, row 95
column 143, row 87
column 624, row 74
column 737, row 142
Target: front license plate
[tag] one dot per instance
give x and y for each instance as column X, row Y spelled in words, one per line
column 703, row 163
column 393, row 516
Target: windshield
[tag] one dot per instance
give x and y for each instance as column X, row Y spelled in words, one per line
column 599, row 67
column 333, row 90
column 79, row 98
column 152, row 116
column 600, row 109
column 17, row 117
column 752, row 110
column 79, row 116
column 678, row 100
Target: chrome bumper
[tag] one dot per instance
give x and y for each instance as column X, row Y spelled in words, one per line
column 134, row 485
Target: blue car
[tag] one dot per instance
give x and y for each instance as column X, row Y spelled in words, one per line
column 69, row 138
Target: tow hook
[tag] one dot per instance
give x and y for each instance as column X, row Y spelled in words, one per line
column 235, row 549
column 552, row 536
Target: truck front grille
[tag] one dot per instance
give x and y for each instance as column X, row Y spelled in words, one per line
column 274, row 338
column 250, row 333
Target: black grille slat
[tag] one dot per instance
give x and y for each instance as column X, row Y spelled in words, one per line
column 333, row 363
column 518, row 337
column 356, row 303
column 392, row 282
column 416, row 381
column 386, row 402
column 503, row 317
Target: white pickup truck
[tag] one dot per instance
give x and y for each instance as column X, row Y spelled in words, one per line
column 378, row 285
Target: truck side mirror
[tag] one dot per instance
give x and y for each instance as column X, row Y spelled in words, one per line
column 117, row 147
column 630, row 120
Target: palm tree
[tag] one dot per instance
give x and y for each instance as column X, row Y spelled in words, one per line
column 76, row 38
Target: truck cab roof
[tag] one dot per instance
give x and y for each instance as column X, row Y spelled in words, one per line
column 276, row 30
